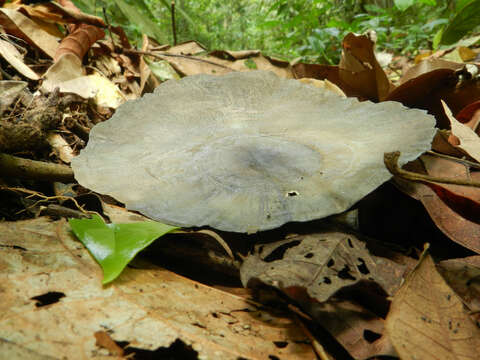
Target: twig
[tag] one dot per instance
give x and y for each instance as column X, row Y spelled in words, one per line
column 391, row 162
column 317, row 347
column 453, row 158
column 109, row 27
column 213, row 235
column 174, row 30
column 36, row 170
column 44, row 198
column 160, row 56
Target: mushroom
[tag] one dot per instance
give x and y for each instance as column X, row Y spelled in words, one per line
column 247, row 151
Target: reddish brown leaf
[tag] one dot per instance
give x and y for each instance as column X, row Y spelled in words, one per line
column 360, row 69
column 79, row 41
column 424, row 85
column 462, row 200
column 466, row 114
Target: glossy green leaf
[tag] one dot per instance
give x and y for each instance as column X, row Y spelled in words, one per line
column 114, row 245
column 464, row 21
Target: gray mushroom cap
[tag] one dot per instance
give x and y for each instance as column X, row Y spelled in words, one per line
column 247, row 151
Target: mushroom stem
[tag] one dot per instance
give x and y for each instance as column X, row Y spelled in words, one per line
column 391, row 162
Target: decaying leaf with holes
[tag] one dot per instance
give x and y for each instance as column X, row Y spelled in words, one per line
column 322, row 263
column 250, row 152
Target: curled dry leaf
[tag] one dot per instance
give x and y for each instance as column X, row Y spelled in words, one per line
column 469, row 140
column 427, row 320
column 79, row 41
column 11, row 54
column 17, row 24
column 320, row 263
column 251, row 151
column 148, row 308
column 360, row 69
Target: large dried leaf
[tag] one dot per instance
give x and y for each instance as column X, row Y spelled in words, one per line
column 320, row 263
column 68, row 75
column 149, row 308
column 443, row 208
column 21, row 26
column 427, row 319
column 463, row 276
column 251, row 151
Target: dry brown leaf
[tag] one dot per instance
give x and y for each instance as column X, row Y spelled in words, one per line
column 461, row 230
column 323, row 72
column 427, row 320
column 424, row 85
column 187, row 48
column 149, row 308
column 234, row 55
column 17, row 24
column 10, row 90
column 79, row 41
column 325, row 84
column 193, row 65
column 463, row 276
column 429, row 65
column 469, row 140
column 11, row 54
column 357, row 329
column 360, row 69
column 68, row 74
column 322, row 263
column 280, row 68
column 56, row 13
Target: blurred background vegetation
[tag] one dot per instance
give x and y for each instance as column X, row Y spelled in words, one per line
column 289, row 29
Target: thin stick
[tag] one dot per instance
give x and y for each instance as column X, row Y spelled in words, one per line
column 109, row 27
column 391, row 162
column 160, row 56
column 36, row 170
column 174, row 30
column 453, row 158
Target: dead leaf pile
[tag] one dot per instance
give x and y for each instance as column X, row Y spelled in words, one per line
column 304, row 291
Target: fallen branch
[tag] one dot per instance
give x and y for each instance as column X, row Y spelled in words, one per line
column 163, row 54
column 14, row 166
column 391, row 162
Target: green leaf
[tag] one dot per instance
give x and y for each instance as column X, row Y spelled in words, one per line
column 403, row 5
column 464, row 21
column 461, row 4
column 162, row 70
column 429, row 2
column 114, row 245
column 139, row 14
column 437, row 38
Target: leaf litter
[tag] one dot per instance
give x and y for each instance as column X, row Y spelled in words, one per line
column 52, row 285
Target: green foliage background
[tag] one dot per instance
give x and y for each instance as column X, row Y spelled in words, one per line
column 310, row 29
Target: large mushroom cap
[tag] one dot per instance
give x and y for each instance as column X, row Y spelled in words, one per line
column 247, row 151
